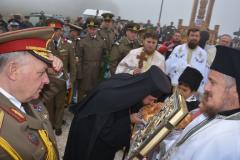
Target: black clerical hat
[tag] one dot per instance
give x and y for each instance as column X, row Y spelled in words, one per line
column 191, row 77
column 227, row 61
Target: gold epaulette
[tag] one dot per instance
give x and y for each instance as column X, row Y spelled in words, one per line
column 1, row 118
column 51, row 153
column 9, row 149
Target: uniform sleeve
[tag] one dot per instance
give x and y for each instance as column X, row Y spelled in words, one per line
column 80, row 55
column 114, row 58
column 72, row 64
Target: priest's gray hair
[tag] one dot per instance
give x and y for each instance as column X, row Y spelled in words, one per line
column 230, row 81
column 16, row 56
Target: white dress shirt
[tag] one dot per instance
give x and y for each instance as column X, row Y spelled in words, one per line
column 12, row 99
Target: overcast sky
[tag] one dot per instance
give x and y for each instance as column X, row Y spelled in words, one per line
column 225, row 13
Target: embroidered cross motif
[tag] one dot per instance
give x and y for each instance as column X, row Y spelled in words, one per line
column 199, row 58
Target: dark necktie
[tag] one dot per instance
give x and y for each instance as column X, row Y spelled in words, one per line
column 55, row 44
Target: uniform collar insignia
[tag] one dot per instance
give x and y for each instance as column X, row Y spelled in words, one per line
column 17, row 115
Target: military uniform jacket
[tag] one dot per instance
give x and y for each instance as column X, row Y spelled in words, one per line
column 90, row 56
column 75, row 43
column 20, row 130
column 120, row 50
column 109, row 36
column 65, row 52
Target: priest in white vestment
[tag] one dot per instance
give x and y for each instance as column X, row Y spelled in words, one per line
column 215, row 134
column 188, row 54
column 141, row 59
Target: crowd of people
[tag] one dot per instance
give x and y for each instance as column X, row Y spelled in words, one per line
column 106, row 70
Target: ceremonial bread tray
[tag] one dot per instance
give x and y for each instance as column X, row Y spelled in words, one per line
column 158, row 127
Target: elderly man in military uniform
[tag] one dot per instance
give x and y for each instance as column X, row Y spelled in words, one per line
column 92, row 50
column 26, row 132
column 54, row 94
column 121, row 48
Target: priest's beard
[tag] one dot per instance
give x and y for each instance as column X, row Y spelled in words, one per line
column 192, row 44
column 210, row 111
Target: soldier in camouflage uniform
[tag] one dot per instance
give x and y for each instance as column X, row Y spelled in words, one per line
column 122, row 47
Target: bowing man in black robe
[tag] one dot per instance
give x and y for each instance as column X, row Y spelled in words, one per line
column 101, row 123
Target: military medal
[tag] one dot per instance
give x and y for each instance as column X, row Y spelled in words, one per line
column 37, row 108
column 33, row 138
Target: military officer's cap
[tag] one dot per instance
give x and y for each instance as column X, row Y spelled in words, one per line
column 74, row 27
column 54, row 23
column 67, row 19
column 227, row 62
column 92, row 22
column 27, row 17
column 142, row 29
column 13, row 23
column 107, row 16
column 33, row 40
column 133, row 27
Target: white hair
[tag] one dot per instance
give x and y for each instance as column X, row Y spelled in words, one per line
column 230, row 81
column 16, row 56
column 226, row 35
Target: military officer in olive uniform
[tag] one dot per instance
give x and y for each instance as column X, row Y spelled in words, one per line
column 74, row 39
column 25, row 130
column 122, row 47
column 54, row 94
column 92, row 50
column 107, row 32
